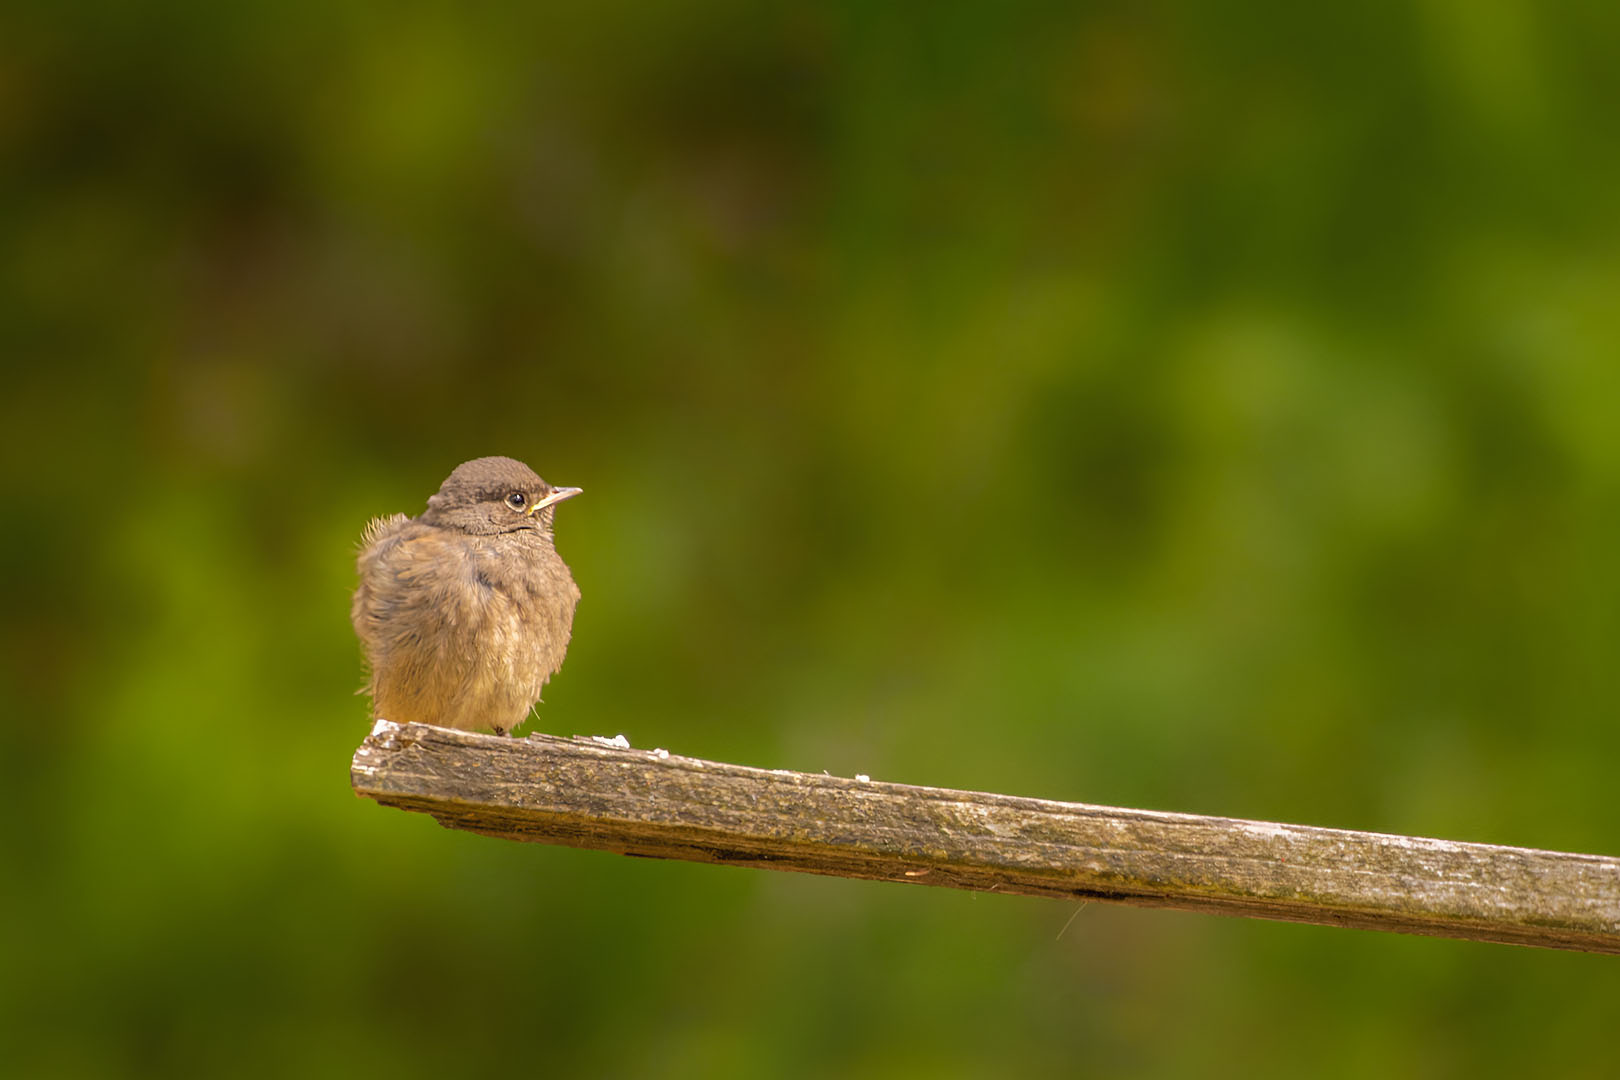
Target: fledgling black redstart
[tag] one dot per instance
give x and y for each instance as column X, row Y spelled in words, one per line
column 466, row 610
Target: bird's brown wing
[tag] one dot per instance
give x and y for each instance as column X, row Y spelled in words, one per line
column 412, row 613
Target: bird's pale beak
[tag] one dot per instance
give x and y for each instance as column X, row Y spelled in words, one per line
column 557, row 495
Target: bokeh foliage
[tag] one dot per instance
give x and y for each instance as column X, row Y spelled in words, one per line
column 1187, row 406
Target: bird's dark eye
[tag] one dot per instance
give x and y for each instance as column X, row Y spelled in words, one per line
column 517, row 500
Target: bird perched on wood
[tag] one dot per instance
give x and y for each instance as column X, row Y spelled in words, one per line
column 465, row 611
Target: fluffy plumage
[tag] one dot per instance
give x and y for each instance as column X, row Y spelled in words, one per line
column 465, row 611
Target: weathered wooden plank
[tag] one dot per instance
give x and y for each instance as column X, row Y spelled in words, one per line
column 591, row 794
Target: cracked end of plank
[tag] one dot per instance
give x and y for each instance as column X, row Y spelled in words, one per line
column 384, row 736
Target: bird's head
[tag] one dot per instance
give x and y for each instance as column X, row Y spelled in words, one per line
column 495, row 495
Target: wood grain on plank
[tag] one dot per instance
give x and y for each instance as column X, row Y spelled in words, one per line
column 588, row 793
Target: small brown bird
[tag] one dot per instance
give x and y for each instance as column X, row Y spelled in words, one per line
column 465, row 611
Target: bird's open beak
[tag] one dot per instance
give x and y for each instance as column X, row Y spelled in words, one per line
column 557, row 495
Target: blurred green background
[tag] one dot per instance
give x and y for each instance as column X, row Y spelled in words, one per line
column 1197, row 407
